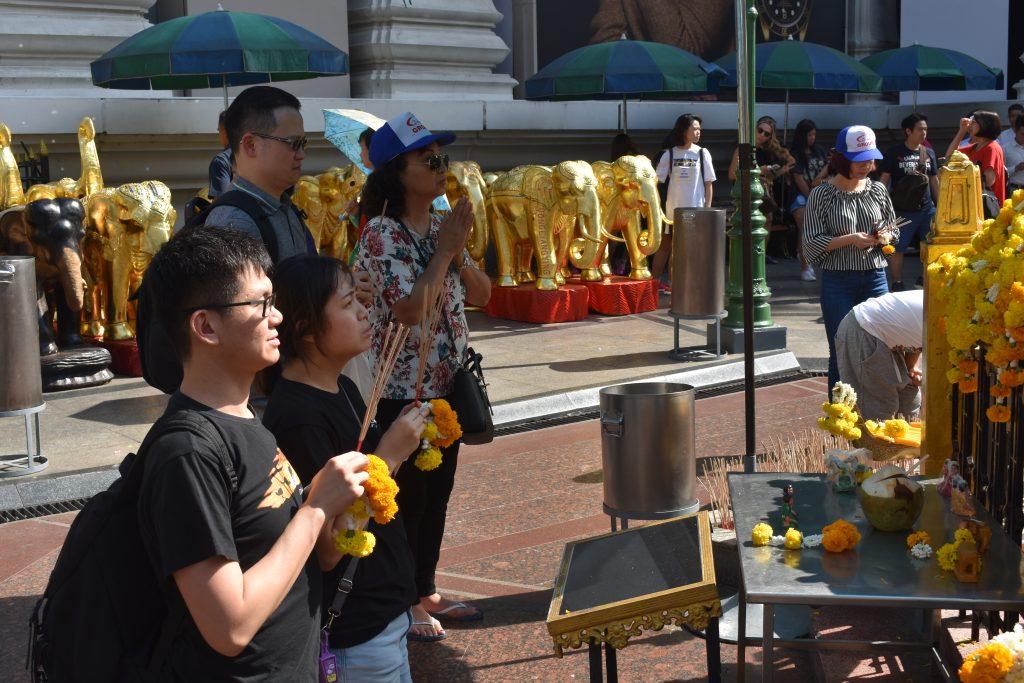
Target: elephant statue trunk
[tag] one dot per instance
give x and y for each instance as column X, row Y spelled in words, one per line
column 649, row 240
column 477, row 244
column 69, row 268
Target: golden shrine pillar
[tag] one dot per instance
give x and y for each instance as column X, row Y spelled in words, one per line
column 958, row 216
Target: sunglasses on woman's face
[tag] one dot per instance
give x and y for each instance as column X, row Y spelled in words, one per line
column 436, row 162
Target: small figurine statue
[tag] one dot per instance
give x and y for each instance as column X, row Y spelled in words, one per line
column 960, row 498
column 982, row 534
column 847, row 468
column 950, row 470
column 966, row 569
column 789, row 516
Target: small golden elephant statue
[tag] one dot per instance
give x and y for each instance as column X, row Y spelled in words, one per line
column 339, row 188
column 125, row 227
column 464, row 179
column 535, row 209
column 628, row 189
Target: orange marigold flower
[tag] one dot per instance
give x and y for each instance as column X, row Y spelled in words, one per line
column 999, row 391
column 998, row 413
column 968, row 385
column 1012, row 378
column 381, row 490
column 968, row 367
column 447, row 421
column 987, row 664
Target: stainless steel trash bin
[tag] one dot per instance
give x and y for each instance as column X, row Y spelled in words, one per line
column 698, row 263
column 21, row 384
column 648, row 450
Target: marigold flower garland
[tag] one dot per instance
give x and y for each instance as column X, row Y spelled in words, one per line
column 947, row 554
column 441, row 431
column 840, row 415
column 840, row 535
column 378, row 500
column 987, row 664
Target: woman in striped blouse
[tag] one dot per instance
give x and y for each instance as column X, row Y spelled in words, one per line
column 839, row 223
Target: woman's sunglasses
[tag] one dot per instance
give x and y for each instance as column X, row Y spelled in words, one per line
column 436, row 162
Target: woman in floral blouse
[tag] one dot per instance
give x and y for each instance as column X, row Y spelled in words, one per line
column 410, row 254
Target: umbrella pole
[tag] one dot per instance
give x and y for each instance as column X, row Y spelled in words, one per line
column 225, row 85
column 785, row 120
column 915, row 101
column 625, row 115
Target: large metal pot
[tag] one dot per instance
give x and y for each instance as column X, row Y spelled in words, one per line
column 21, row 384
column 698, row 263
column 648, row 450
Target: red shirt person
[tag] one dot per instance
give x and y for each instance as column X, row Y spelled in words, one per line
column 983, row 150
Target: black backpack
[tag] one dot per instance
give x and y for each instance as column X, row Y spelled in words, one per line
column 103, row 615
column 247, row 203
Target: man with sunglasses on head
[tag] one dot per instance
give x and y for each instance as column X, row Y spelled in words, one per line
column 267, row 140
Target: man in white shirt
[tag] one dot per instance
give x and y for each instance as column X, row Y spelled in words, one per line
column 1006, row 137
column 1013, row 152
column 878, row 346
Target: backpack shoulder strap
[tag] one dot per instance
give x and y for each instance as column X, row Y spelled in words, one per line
column 188, row 421
column 247, row 203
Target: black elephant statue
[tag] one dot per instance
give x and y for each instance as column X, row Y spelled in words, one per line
column 51, row 230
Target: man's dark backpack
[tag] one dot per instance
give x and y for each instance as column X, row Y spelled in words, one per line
column 909, row 193
column 103, row 616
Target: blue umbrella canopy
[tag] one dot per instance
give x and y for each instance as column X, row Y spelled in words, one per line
column 798, row 65
column 920, row 67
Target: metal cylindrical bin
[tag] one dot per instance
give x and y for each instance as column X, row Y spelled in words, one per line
column 698, row 263
column 648, row 450
column 21, row 385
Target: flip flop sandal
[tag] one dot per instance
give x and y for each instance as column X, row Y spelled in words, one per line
column 417, row 638
column 443, row 614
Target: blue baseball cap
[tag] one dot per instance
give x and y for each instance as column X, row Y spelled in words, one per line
column 857, row 143
column 403, row 134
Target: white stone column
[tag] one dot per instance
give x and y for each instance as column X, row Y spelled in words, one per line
column 432, row 49
column 524, row 42
column 871, row 26
column 46, row 45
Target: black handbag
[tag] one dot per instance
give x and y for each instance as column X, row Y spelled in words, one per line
column 468, row 396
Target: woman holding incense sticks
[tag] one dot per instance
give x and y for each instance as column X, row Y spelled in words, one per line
column 314, row 413
column 423, row 277
column 847, row 219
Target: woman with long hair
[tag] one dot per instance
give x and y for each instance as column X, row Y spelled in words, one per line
column 809, row 170
column 414, row 258
column 314, row 413
column 840, row 232
column 687, row 169
column 774, row 161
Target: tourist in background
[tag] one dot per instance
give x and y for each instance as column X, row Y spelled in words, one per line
column 622, row 145
column 810, row 169
column 1013, row 154
column 222, row 167
column 984, row 151
column 911, row 172
column 1012, row 115
column 414, row 256
column 840, row 223
column 687, row 169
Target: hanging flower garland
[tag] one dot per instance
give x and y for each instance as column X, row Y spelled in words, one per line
column 378, row 501
column 440, row 431
column 841, row 415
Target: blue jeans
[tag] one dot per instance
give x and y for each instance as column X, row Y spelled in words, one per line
column 920, row 225
column 382, row 659
column 841, row 290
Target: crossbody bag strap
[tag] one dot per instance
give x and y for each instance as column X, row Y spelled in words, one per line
column 341, row 594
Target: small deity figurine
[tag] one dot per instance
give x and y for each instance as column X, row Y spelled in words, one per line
column 950, row 470
column 789, row 516
column 982, row 534
column 967, row 561
column 960, row 498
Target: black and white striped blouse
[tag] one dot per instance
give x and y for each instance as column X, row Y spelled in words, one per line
column 832, row 213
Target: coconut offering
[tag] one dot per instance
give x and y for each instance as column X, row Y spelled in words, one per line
column 891, row 500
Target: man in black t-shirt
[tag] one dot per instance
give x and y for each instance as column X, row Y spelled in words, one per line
column 239, row 556
column 899, row 161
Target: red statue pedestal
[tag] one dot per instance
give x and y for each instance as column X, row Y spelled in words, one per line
column 528, row 304
column 125, row 355
column 621, row 296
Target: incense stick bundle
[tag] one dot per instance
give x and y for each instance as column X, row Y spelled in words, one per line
column 432, row 310
column 394, row 342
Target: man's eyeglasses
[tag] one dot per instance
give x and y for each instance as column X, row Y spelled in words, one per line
column 765, row 132
column 436, row 162
column 266, row 303
column 295, row 142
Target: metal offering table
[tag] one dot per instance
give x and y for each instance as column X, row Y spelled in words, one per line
column 879, row 572
column 613, row 587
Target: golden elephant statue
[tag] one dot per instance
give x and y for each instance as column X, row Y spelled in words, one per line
column 628, row 189
column 124, row 228
column 535, row 209
column 339, row 187
column 11, row 191
column 465, row 180
column 91, row 180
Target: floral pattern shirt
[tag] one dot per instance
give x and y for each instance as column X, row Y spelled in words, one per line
column 387, row 252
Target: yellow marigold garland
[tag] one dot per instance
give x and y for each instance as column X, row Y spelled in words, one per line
column 988, row 664
column 840, row 415
column 794, row 539
column 440, row 431
column 918, row 537
column 888, row 250
column 378, row 499
column 761, row 534
column 355, row 542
